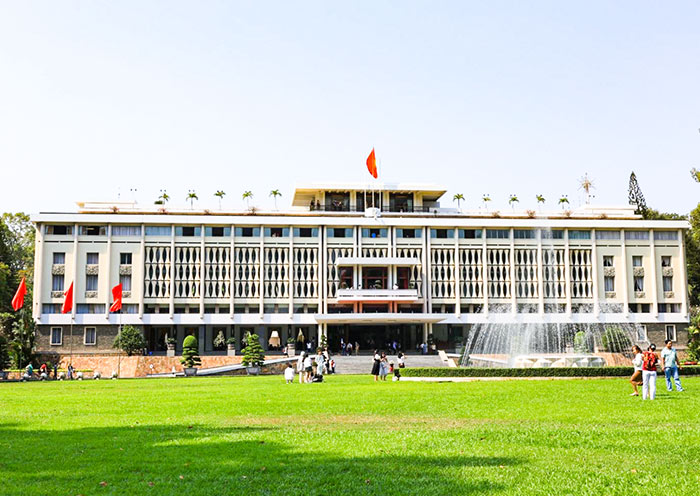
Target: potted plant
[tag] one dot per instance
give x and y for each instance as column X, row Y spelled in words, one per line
column 231, row 347
column 190, row 355
column 170, row 343
column 291, row 347
column 253, row 354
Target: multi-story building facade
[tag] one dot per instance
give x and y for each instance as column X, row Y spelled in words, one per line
column 346, row 262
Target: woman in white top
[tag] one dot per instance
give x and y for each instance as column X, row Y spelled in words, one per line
column 300, row 367
column 636, row 379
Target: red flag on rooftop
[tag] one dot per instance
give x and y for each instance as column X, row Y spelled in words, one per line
column 18, row 300
column 372, row 164
column 117, row 295
column 68, row 302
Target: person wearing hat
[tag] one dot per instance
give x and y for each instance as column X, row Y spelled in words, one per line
column 649, row 373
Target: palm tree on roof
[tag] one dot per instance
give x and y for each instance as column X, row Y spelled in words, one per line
column 459, row 197
column 274, row 194
column 192, row 196
column 247, row 195
column 220, row 195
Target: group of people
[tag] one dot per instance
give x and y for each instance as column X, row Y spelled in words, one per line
column 44, row 372
column 311, row 369
column 645, row 369
column 382, row 367
column 347, row 349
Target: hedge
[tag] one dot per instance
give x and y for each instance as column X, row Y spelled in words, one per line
column 530, row 372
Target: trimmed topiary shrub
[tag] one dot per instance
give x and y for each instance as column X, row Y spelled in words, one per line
column 530, row 372
column 130, row 340
column 253, row 354
column 190, row 352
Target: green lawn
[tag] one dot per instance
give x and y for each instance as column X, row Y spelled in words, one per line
column 246, row 436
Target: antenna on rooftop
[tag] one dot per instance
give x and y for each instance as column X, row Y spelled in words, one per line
column 133, row 194
column 586, row 184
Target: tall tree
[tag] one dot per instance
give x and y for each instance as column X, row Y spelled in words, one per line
column 274, row 194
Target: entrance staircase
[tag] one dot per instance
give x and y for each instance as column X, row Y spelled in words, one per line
column 362, row 364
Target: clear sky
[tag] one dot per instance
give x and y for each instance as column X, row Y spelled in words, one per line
column 493, row 97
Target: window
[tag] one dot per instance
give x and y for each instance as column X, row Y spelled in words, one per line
column 552, row 233
column 126, row 230
column 470, row 233
column 442, row 233
column 91, row 308
column 374, row 278
column 93, row 230
column 59, row 230
column 579, row 234
column 305, row 232
column 346, row 277
column 125, row 258
column 217, row 231
column 667, row 283
column 57, row 282
column 638, row 283
column 247, row 232
column 641, row 333
column 636, row 235
column 608, row 261
column 609, row 284
column 56, row 336
column 671, row 332
column 607, row 235
column 90, row 283
column 158, row 231
column 92, row 258
column 125, row 281
column 666, row 235
column 277, row 232
column 669, row 307
column 188, row 231
column 340, row 232
column 90, row 336
column 636, row 261
column 404, row 233
column 665, row 261
column 374, row 232
column 59, row 258
column 50, row 308
column 523, row 234
column 498, row 233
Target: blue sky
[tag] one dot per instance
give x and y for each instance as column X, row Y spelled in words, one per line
column 482, row 97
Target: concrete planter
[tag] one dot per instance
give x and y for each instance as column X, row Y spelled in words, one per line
column 231, row 350
column 171, row 350
column 253, row 370
column 190, row 371
column 291, row 351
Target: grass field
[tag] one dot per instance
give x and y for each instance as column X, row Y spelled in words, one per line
column 248, row 436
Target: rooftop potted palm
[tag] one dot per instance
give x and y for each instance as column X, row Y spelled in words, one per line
column 190, row 355
column 220, row 195
column 253, row 354
column 274, row 194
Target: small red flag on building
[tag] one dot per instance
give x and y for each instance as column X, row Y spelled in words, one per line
column 117, row 295
column 68, row 302
column 372, row 164
column 18, row 300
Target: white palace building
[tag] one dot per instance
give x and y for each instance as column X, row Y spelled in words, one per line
column 395, row 267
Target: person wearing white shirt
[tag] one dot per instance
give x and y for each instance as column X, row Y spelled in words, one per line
column 320, row 362
column 308, row 368
column 289, row 374
column 636, row 379
column 300, row 367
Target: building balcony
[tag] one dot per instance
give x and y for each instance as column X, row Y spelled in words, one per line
column 377, row 295
column 377, row 261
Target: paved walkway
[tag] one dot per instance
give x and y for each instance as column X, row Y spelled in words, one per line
column 362, row 364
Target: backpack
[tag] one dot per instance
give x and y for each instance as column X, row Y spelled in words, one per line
column 650, row 360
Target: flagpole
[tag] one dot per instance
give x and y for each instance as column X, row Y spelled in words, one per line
column 119, row 350
column 71, row 343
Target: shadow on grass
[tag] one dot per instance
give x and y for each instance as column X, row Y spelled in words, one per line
column 181, row 459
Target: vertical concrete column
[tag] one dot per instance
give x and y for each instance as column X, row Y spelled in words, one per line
column 425, row 261
column 513, row 282
column 39, row 268
column 654, row 283
column 202, row 268
column 142, row 280
column 427, row 280
column 261, row 262
column 232, row 268
column 75, row 274
column 540, row 274
column 457, row 277
column 290, row 275
column 108, row 274
column 595, row 275
column 684, row 273
column 567, row 273
column 485, row 271
column 172, row 271
column 625, row 282
column 321, row 272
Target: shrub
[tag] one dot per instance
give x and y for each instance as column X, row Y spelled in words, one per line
column 694, row 339
column 253, row 354
column 530, row 372
column 4, row 354
column 170, row 341
column 190, row 352
column 231, row 341
column 130, row 340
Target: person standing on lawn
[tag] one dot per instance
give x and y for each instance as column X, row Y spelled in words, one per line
column 671, row 366
column 375, row 365
column 649, row 373
column 637, row 361
column 300, row 367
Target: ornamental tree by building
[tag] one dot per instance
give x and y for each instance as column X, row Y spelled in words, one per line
column 190, row 352
column 129, row 340
column 253, row 354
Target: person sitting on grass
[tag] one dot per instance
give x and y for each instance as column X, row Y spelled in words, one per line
column 636, row 379
column 289, row 374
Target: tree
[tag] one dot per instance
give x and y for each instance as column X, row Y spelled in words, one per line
column 130, row 340
column 192, row 196
column 220, row 195
column 540, row 199
column 636, row 197
column 564, row 200
column 485, row 200
column 247, row 197
column 274, row 194
column 190, row 352
column 459, row 198
column 21, row 342
column 4, row 353
column 253, row 354
column 696, row 174
column 163, row 198
column 17, row 235
column 513, row 200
